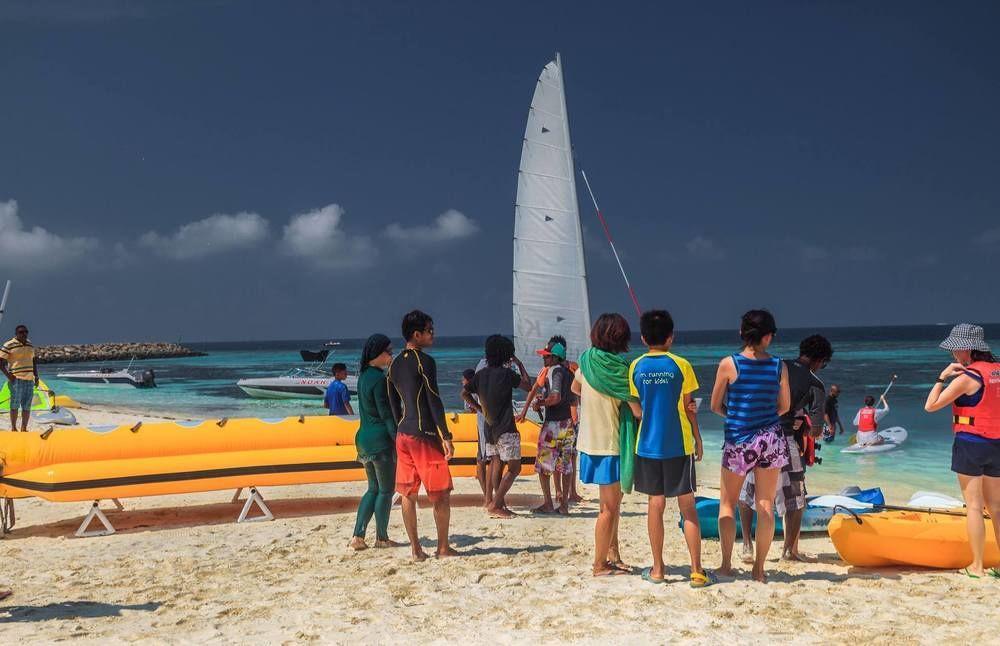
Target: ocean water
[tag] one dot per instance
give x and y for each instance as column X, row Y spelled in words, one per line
column 864, row 361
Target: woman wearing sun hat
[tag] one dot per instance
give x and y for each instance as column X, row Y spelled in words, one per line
column 974, row 395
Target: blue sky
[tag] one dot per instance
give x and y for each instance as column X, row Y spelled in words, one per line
column 263, row 170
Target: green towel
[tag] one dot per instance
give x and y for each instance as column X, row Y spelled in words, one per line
column 607, row 373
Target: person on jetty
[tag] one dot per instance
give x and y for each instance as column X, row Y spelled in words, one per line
column 17, row 361
column 482, row 460
column 867, row 419
column 495, row 385
column 806, row 415
column 376, row 443
column 337, row 397
column 607, row 433
column 668, row 442
column 751, row 392
column 971, row 385
column 423, row 441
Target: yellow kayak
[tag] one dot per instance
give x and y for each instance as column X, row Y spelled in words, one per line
column 908, row 538
column 78, row 463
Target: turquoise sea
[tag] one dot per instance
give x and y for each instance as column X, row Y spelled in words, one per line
column 864, row 361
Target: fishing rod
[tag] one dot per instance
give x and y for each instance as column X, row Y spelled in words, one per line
column 607, row 234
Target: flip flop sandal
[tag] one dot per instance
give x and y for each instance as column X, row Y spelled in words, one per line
column 611, row 572
column 970, row 574
column 620, row 566
column 703, row 579
column 647, row 575
column 994, row 572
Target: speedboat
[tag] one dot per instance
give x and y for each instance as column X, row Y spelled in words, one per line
column 110, row 376
column 297, row 383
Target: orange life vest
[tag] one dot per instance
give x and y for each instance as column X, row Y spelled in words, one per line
column 982, row 419
column 866, row 420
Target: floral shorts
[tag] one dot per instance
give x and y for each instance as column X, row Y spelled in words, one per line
column 765, row 450
column 556, row 447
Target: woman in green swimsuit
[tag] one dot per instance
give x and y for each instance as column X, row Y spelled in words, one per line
column 376, row 443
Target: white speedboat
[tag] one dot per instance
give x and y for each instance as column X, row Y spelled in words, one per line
column 111, row 376
column 297, row 383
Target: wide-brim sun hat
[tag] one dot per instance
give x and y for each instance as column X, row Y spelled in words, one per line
column 966, row 336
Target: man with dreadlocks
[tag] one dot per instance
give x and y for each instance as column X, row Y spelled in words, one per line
column 494, row 385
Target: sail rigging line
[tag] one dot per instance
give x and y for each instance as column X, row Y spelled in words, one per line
column 607, row 233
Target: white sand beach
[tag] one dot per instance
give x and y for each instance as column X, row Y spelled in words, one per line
column 180, row 570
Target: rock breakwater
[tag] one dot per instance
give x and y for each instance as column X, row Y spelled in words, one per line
column 111, row 352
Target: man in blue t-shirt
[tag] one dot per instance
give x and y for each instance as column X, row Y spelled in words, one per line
column 338, row 398
column 669, row 442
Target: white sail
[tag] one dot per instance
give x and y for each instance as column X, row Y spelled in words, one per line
column 550, row 275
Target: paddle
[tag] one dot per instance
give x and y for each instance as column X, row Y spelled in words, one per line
column 850, row 504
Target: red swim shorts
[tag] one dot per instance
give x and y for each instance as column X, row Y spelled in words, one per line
column 420, row 461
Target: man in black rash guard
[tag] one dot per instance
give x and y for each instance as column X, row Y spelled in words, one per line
column 423, row 441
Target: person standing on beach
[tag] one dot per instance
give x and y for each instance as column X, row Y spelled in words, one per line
column 751, row 393
column 494, row 385
column 557, row 437
column 607, row 425
column 376, row 443
column 482, row 460
column 17, row 361
column 423, row 441
column 808, row 396
column 971, row 385
column 337, row 398
column 669, row 442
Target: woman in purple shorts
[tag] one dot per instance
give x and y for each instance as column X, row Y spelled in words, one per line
column 751, row 392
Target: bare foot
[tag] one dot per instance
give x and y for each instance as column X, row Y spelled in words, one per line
column 564, row 509
column 389, row 543
column 544, row 509
column 620, row 565
column 447, row 552
column 747, row 555
column 576, row 498
column 500, row 512
column 418, row 555
column 726, row 571
column 607, row 570
column 759, row 576
column 357, row 544
column 799, row 557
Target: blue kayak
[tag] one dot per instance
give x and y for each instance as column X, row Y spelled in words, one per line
column 815, row 519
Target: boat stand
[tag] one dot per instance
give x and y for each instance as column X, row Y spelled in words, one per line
column 95, row 512
column 253, row 499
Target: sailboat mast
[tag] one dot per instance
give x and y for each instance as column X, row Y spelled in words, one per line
column 584, row 296
column 3, row 303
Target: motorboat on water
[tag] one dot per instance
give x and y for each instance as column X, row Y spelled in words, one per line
column 297, row 383
column 113, row 377
column 317, row 356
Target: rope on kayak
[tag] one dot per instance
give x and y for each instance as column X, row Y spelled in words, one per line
column 607, row 234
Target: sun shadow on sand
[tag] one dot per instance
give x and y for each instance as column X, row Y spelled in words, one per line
column 70, row 610
column 223, row 513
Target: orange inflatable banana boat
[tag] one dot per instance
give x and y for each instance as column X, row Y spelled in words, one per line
column 82, row 464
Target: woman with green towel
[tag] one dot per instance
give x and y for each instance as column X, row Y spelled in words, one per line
column 606, row 439
column 376, row 443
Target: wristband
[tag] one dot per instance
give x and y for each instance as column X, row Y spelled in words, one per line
column 942, row 381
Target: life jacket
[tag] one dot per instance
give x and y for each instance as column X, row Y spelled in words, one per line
column 983, row 418
column 866, row 420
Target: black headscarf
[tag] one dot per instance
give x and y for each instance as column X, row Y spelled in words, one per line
column 374, row 346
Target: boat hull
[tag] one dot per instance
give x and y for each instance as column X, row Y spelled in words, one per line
column 79, row 464
column 908, row 539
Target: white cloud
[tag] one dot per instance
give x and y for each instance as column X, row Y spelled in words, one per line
column 215, row 234
column 36, row 249
column 705, row 248
column 318, row 238
column 450, row 225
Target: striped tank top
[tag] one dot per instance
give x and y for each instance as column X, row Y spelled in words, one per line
column 752, row 400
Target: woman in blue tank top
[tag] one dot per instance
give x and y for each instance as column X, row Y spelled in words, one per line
column 751, row 392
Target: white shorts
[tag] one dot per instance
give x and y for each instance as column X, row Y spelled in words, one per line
column 867, row 437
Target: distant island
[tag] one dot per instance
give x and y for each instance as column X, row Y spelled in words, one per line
column 112, row 352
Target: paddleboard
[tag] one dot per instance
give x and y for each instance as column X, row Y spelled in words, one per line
column 891, row 438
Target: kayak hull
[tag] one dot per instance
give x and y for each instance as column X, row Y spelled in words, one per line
column 897, row 538
column 815, row 519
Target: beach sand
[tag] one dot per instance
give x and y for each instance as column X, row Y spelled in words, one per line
column 181, row 570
